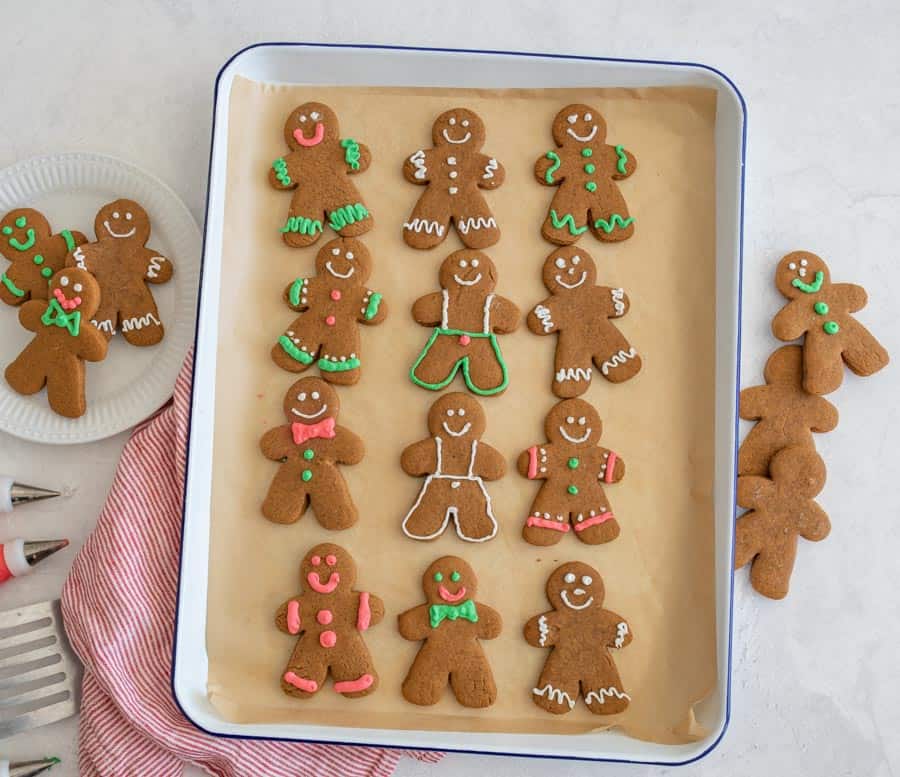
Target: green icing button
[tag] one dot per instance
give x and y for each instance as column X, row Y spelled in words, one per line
column 38, row 259
column 46, row 272
column 831, row 327
column 586, row 152
column 821, row 308
column 589, row 168
column 308, row 454
column 572, row 490
column 306, row 475
column 590, row 186
column 573, row 463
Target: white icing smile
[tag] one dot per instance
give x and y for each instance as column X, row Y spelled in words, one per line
column 117, row 234
column 472, row 282
column 585, row 138
column 464, row 139
column 576, row 440
column 565, row 285
column 309, row 416
column 460, row 433
column 563, row 595
column 337, row 274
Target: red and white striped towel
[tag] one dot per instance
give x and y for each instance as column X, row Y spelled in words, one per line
column 119, row 605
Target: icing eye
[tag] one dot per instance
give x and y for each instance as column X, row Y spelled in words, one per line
column 587, row 580
column 64, row 281
column 335, row 251
column 465, row 122
column 314, row 115
column 803, row 263
column 77, row 287
column 451, row 121
column 461, row 411
column 569, row 578
column 572, row 119
column 455, row 577
column 560, row 263
column 576, row 260
column 474, row 263
column 315, row 395
column 438, row 577
column 128, row 216
column 451, row 412
column 331, row 559
column 570, row 419
column 302, row 396
column 315, row 561
column 582, row 421
column 792, row 266
column 588, row 117
column 349, row 255
column 302, row 118
column 115, row 214
column 463, row 263
column 21, row 222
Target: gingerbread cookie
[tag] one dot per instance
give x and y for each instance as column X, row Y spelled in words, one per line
column 787, row 416
column 35, row 254
column 62, row 342
column 328, row 618
column 579, row 312
column 467, row 317
column 585, row 170
column 780, row 509
column 580, row 634
column 331, row 304
column 455, row 463
column 822, row 311
column 453, row 172
column 309, row 448
column 574, row 468
column 123, row 266
column 450, row 623
column 317, row 169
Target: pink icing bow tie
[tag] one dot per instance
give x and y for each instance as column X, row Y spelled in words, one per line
column 304, row 432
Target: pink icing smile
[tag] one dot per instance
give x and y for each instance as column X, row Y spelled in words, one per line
column 323, row 588
column 314, row 140
column 448, row 597
column 66, row 304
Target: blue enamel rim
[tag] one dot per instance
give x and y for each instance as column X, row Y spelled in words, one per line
column 576, row 57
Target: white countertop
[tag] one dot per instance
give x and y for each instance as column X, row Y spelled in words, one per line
column 816, row 678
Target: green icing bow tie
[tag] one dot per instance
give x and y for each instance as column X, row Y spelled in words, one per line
column 438, row 612
column 54, row 314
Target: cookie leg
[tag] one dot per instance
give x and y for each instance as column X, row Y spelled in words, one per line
column 140, row 321
column 65, row 387
column 602, row 687
column 339, row 361
column 27, row 374
column 330, row 499
column 596, row 524
column 863, row 353
column 431, row 511
column 306, row 671
column 484, row 370
column 615, row 358
column 438, row 363
column 14, row 288
column 472, row 681
column 427, row 224
column 427, row 678
column 346, row 212
column 557, row 688
column 286, row 499
column 572, row 365
column 770, row 571
column 609, row 219
column 352, row 670
column 567, row 218
column 823, row 369
column 546, row 524
column 305, row 220
column 474, row 517
column 475, row 223
column 106, row 319
column 297, row 348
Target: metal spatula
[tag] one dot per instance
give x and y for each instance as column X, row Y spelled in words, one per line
column 39, row 676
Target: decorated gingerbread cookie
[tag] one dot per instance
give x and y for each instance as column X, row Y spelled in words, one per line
column 467, row 316
column 450, row 624
column 123, row 266
column 455, row 463
column 781, row 508
column 332, row 304
column 786, row 415
column 453, row 172
column 580, row 634
column 34, row 252
column 328, row 618
column 574, row 468
column 585, row 170
column 318, row 168
column 579, row 312
column 309, row 448
column 63, row 341
column 822, row 311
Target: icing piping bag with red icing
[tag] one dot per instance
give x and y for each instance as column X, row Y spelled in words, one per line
column 18, row 557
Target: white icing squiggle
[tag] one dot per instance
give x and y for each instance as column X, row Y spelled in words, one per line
column 618, row 300
column 155, row 266
column 601, row 694
column 489, row 168
column 543, row 313
column 621, row 633
column 423, row 225
column 617, row 359
column 544, row 630
column 555, row 694
column 139, row 322
column 78, row 255
column 574, row 373
column 106, row 325
column 475, row 223
column 418, row 159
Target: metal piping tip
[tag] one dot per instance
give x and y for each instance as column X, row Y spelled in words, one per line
column 38, row 550
column 20, row 493
column 32, row 768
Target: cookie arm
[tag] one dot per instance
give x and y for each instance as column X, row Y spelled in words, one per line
column 372, row 308
column 369, row 611
column 296, row 294
column 616, row 631
column 347, row 447
column 287, row 616
column 362, row 163
column 158, row 269
column 30, row 314
column 753, row 489
column 548, row 169
column 414, row 624
column 427, row 310
column 417, row 166
column 420, row 458
column 814, row 524
column 825, row 415
column 489, row 624
column 543, row 319
column 623, row 161
column 529, row 462
column 617, row 467
column 489, row 462
column 282, row 173
column 611, row 302
column 505, row 316
column 92, row 345
column 752, row 403
column 492, row 174
column 542, row 630
column 277, row 443
column 788, row 323
column 855, row 297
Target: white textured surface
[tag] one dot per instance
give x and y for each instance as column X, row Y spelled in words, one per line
column 816, row 678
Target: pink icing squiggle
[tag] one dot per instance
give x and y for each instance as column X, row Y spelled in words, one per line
column 310, row 686
column 610, row 467
column 323, row 588
column 293, row 617
column 532, row 462
column 546, row 523
column 314, row 140
column 364, row 614
column 593, row 521
column 352, row 686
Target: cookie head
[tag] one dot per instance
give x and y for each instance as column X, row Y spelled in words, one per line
column 575, row 586
column 468, row 269
column 344, row 261
column 20, row 228
column 310, row 401
column 798, row 471
column 75, row 290
column 449, row 580
column 785, row 366
column 310, row 124
column 458, row 127
column 573, row 421
column 801, row 273
column 122, row 220
column 328, row 568
column 569, row 268
column 456, row 415
column 578, row 124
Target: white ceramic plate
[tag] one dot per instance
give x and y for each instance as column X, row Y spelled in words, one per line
column 131, row 382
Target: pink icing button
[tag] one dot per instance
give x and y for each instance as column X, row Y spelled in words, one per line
column 335, row 294
column 331, row 560
column 464, row 340
column 330, row 320
column 328, row 639
column 324, row 617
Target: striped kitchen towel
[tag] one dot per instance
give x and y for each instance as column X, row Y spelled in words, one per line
column 119, row 607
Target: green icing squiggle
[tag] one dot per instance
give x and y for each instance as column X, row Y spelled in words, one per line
column 614, row 221
column 567, row 221
column 372, row 307
column 623, row 160
column 346, row 215
column 351, row 152
column 553, row 157
column 302, row 225
column 281, row 173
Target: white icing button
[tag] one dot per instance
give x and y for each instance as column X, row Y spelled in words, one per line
column 453, row 174
column 451, row 160
column 453, row 190
column 454, row 484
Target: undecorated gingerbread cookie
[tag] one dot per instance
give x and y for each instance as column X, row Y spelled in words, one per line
column 450, row 625
column 309, row 449
column 453, row 172
column 328, row 618
column 580, row 634
column 455, row 463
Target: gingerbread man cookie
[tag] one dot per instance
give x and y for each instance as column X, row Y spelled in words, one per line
column 309, row 448
column 123, row 266
column 585, row 170
column 329, row 618
column 35, row 254
column 467, row 317
column 317, row 169
column 456, row 463
column 580, row 634
column 453, row 172
column 574, row 468
column 579, row 313
column 822, row 311
column 62, row 342
column 781, row 508
column 331, row 304
column 450, row 623
column 786, row 415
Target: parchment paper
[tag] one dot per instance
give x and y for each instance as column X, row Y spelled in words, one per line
column 658, row 573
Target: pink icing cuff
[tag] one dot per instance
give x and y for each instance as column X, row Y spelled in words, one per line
column 352, row 686
column 546, row 523
column 364, row 614
column 610, row 467
column 593, row 521
column 293, row 617
column 532, row 462
column 310, row 686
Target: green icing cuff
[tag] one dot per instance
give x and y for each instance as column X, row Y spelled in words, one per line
column 13, row 289
column 567, row 221
column 553, row 157
column 614, row 221
column 623, row 160
column 351, row 153
column 281, row 173
column 293, row 351
column 302, row 225
column 70, row 241
column 294, row 293
column 346, row 215
column 329, row 366
column 372, row 307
